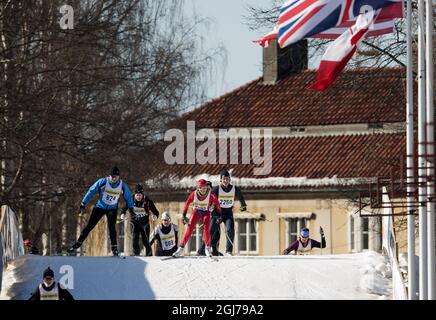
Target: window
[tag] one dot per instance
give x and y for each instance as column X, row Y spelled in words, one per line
column 196, row 240
column 352, row 234
column 293, row 228
column 364, row 227
column 247, row 236
column 359, row 233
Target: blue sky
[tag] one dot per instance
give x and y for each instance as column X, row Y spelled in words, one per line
column 227, row 28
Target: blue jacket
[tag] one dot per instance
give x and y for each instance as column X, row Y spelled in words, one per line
column 100, row 186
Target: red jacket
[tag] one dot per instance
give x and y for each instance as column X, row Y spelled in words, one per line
column 213, row 200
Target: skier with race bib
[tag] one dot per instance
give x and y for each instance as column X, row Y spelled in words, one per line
column 110, row 190
column 226, row 194
column 202, row 199
column 304, row 244
column 143, row 207
column 49, row 289
column 166, row 236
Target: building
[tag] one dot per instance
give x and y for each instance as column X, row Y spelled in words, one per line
column 326, row 147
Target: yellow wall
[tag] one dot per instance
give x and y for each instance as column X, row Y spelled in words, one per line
column 331, row 214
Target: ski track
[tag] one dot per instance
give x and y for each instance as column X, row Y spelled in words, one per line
column 275, row 277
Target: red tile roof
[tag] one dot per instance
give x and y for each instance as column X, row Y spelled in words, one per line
column 358, row 96
column 345, row 156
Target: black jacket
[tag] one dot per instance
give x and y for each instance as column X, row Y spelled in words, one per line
column 238, row 195
column 64, row 294
column 148, row 205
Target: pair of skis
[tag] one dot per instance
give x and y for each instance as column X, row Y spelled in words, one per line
column 191, row 257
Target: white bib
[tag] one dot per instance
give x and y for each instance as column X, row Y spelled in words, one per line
column 168, row 241
column 111, row 195
column 226, row 199
column 306, row 249
column 201, row 204
column 139, row 212
column 53, row 294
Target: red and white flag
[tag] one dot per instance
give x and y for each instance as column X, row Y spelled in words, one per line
column 266, row 40
column 341, row 50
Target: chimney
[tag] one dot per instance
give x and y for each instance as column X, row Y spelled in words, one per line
column 280, row 62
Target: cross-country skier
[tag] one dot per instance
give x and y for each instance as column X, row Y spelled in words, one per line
column 226, row 193
column 214, row 231
column 202, row 200
column 48, row 289
column 143, row 206
column 304, row 244
column 166, row 235
column 110, row 189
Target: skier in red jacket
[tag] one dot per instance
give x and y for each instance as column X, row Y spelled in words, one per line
column 202, row 199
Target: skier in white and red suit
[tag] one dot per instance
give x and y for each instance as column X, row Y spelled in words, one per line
column 203, row 200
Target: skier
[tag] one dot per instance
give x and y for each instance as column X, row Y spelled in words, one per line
column 214, row 231
column 30, row 248
column 202, row 200
column 110, row 190
column 304, row 244
column 142, row 205
column 166, row 235
column 226, row 195
column 48, row 289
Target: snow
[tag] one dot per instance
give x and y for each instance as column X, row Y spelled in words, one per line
column 191, row 181
column 348, row 276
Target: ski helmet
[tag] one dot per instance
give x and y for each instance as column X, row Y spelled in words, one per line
column 224, row 173
column 48, row 273
column 304, row 233
column 139, row 188
column 201, row 183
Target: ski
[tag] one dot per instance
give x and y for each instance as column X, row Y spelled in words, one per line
column 190, row 257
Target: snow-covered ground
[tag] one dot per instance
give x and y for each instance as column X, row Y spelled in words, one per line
column 349, row 276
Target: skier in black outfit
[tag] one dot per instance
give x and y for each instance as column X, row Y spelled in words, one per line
column 166, row 235
column 226, row 194
column 142, row 205
column 49, row 289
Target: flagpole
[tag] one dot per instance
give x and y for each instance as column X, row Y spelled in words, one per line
column 421, row 157
column 410, row 179
column 430, row 151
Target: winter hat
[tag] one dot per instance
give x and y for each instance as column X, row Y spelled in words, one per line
column 115, row 171
column 139, row 188
column 48, row 273
column 201, row 182
column 166, row 216
column 224, row 173
column 27, row 242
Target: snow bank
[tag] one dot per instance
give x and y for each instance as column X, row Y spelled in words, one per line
column 265, row 277
column 376, row 275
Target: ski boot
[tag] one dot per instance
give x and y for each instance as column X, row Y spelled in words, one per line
column 178, row 253
column 115, row 251
column 74, row 247
column 208, row 251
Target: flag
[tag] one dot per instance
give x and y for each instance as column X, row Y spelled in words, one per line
column 341, row 50
column 266, row 40
column 384, row 23
column 300, row 19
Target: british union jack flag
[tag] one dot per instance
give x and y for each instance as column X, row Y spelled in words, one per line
column 300, row 19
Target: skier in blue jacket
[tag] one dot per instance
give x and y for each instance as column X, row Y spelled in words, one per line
column 110, row 189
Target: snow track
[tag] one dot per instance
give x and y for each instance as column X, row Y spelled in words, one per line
column 274, row 277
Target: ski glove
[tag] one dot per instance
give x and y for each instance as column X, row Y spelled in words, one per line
column 121, row 218
column 81, row 209
column 244, row 208
column 321, row 231
column 219, row 220
column 184, row 219
column 154, row 218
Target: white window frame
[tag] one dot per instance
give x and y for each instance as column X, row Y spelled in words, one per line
column 198, row 242
column 248, row 234
column 301, row 223
column 357, row 246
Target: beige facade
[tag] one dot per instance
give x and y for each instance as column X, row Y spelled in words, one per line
column 275, row 219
